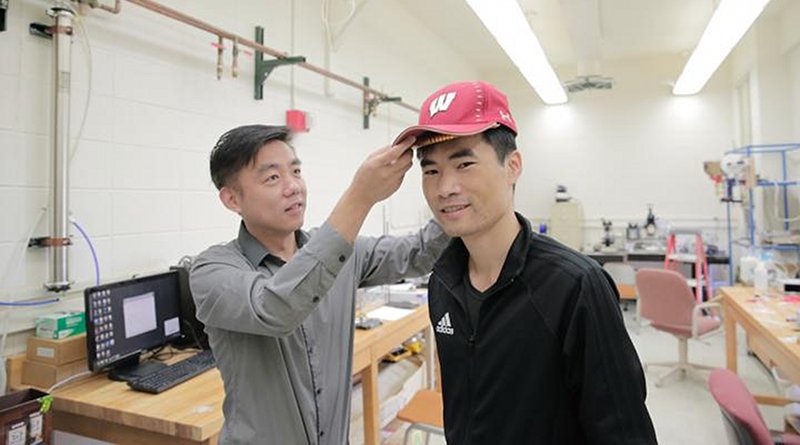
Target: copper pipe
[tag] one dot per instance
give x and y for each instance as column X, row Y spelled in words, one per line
column 220, row 50
column 235, row 63
column 189, row 20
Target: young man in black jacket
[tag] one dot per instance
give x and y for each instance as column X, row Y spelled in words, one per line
column 532, row 344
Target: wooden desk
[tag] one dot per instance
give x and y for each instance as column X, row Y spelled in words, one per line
column 627, row 292
column 103, row 409
column 764, row 320
column 370, row 347
column 192, row 414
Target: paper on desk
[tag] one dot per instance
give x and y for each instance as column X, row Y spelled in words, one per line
column 389, row 313
column 771, row 321
column 762, row 310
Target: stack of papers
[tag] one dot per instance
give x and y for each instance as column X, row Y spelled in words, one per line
column 388, row 313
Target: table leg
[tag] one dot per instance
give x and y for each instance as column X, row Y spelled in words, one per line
column 730, row 339
column 430, row 358
column 369, row 382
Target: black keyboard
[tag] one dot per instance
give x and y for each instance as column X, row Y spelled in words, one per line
column 175, row 373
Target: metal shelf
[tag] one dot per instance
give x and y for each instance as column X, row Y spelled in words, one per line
column 784, row 182
column 682, row 257
column 746, row 243
column 779, row 246
column 766, row 148
column 765, row 183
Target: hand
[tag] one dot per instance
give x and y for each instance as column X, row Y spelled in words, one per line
column 382, row 173
column 375, row 180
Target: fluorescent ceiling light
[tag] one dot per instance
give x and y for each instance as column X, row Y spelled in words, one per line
column 727, row 26
column 506, row 22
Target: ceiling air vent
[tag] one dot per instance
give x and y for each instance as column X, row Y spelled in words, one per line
column 581, row 83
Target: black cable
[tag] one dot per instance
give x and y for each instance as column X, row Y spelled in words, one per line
column 154, row 354
column 194, row 334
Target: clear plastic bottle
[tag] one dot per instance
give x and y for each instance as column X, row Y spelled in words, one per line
column 761, row 277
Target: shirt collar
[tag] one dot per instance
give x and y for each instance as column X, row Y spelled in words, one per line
column 256, row 252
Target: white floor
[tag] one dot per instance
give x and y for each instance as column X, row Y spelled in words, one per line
column 683, row 411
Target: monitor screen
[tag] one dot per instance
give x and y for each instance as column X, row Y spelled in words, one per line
column 128, row 317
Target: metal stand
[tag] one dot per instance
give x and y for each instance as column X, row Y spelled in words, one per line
column 265, row 67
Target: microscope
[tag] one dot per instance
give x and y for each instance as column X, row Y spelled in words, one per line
column 608, row 235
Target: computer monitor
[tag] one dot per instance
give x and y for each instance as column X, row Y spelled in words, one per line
column 126, row 318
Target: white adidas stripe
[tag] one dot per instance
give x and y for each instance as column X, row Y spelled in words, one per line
column 444, row 326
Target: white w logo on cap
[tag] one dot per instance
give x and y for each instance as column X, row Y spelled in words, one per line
column 441, row 103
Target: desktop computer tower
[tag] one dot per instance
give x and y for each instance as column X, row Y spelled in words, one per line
column 193, row 330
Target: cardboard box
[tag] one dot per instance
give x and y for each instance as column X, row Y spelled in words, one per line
column 42, row 375
column 57, row 352
column 61, row 325
column 14, row 372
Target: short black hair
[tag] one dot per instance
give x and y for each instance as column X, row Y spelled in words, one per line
column 502, row 139
column 238, row 147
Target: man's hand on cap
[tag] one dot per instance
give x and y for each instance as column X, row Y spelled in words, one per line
column 383, row 172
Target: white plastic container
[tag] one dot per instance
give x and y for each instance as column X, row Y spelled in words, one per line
column 747, row 265
column 761, row 277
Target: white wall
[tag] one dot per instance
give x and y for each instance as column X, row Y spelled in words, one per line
column 769, row 55
column 139, row 179
column 618, row 150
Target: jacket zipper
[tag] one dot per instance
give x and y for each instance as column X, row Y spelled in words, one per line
column 471, row 370
column 473, row 338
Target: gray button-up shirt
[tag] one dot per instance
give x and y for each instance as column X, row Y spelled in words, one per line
column 282, row 333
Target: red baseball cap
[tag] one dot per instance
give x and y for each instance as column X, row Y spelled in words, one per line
column 461, row 109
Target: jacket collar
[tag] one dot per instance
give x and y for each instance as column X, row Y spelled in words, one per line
column 256, row 253
column 452, row 264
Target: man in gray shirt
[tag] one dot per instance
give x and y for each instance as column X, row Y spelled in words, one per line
column 278, row 302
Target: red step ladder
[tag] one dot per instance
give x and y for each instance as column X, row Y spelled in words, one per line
column 673, row 260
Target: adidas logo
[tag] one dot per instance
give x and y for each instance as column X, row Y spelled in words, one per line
column 444, row 326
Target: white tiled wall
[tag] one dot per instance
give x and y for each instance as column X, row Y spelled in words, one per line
column 139, row 178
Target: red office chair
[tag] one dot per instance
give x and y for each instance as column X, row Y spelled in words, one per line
column 743, row 421
column 668, row 302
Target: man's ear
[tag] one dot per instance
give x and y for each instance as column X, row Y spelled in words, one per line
column 230, row 199
column 514, row 166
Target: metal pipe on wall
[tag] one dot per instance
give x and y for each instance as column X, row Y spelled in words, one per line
column 115, row 9
column 189, row 20
column 59, row 205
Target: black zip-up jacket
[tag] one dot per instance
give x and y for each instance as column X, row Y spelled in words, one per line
column 549, row 360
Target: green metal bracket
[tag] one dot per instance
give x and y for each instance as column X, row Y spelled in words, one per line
column 264, row 67
column 371, row 102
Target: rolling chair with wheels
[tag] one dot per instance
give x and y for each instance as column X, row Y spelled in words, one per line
column 425, row 410
column 668, row 302
column 744, row 424
column 425, row 413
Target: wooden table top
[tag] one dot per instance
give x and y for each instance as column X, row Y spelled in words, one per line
column 193, row 410
column 772, row 314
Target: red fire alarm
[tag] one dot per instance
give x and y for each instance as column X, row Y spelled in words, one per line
column 296, row 121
